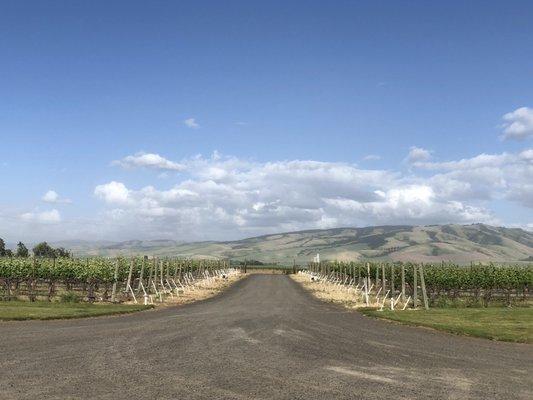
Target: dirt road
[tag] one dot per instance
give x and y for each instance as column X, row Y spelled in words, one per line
column 264, row 338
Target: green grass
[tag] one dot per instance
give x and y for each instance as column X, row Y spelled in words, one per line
column 497, row 323
column 21, row 310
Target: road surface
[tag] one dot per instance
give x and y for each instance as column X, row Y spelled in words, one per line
column 264, row 338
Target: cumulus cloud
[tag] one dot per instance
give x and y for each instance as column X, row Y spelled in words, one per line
column 44, row 217
column 148, row 160
column 418, row 204
column 52, row 196
column 191, row 123
column 485, row 177
column 227, row 197
column 518, row 124
column 113, row 193
column 224, row 197
column 417, row 154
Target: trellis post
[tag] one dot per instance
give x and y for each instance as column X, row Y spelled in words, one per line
column 415, row 287
column 392, row 279
column 141, row 276
column 130, row 272
column 115, row 279
column 403, row 283
column 423, row 285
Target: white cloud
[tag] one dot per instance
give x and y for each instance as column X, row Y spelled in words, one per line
column 372, row 157
column 52, row 196
column 191, row 123
column 226, row 197
column 485, row 176
column 479, row 161
column 148, row 160
column 518, row 124
column 418, row 154
column 113, row 193
column 44, row 217
column 221, row 197
column 411, row 204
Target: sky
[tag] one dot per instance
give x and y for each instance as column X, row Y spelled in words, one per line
column 209, row 120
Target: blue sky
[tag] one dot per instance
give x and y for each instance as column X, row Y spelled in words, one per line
column 304, row 114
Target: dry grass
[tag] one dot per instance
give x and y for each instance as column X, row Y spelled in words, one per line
column 201, row 290
column 331, row 293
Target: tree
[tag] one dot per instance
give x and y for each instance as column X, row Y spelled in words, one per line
column 8, row 253
column 22, row 250
column 2, row 248
column 61, row 252
column 43, row 249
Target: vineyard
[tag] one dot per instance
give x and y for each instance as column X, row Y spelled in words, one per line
column 437, row 285
column 103, row 279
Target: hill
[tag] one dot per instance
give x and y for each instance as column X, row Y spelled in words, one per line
column 433, row 243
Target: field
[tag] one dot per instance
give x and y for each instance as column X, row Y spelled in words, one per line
column 490, row 301
column 102, row 279
column 23, row 310
column 434, row 285
column 497, row 323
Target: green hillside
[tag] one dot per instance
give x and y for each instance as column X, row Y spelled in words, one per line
column 457, row 243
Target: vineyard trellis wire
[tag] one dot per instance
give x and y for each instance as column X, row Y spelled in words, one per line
column 104, row 279
column 480, row 283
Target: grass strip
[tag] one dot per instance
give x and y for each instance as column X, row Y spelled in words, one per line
column 43, row 310
column 496, row 323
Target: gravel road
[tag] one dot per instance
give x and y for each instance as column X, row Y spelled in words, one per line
column 263, row 338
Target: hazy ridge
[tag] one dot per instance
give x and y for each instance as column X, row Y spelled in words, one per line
column 458, row 243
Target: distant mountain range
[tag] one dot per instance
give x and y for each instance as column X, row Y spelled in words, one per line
column 433, row 243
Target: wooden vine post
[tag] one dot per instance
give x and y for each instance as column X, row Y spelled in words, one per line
column 423, row 285
column 403, row 282
column 115, row 279
column 368, row 277
column 383, row 278
column 150, row 276
column 156, row 266
column 32, row 281
column 392, row 280
column 141, row 276
column 90, row 290
column 162, row 266
column 415, row 287
column 130, row 272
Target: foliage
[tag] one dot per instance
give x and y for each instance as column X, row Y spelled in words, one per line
column 43, row 249
column 445, row 277
column 94, row 270
column 22, row 250
column 61, row 252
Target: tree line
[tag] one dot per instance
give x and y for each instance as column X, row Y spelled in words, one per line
column 42, row 249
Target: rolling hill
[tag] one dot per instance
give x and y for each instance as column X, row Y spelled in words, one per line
column 433, row 243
